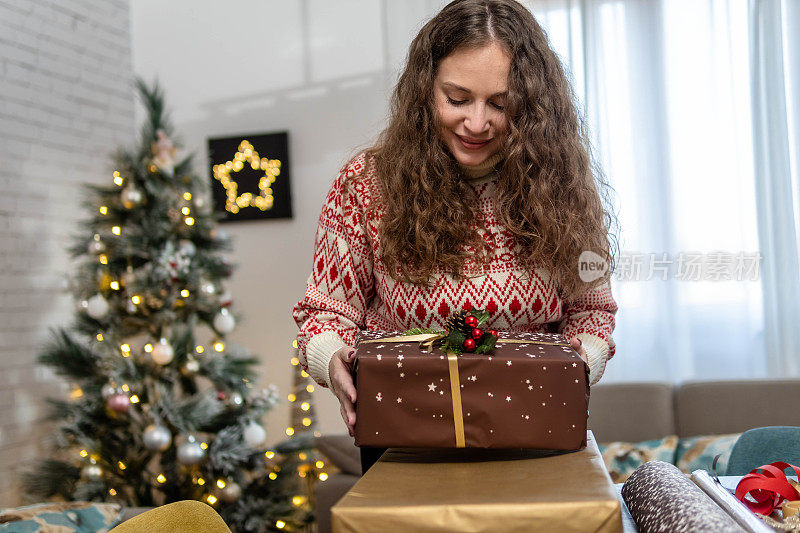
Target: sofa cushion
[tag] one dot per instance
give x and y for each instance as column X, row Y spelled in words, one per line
column 724, row 407
column 622, row 458
column 631, row 412
column 80, row 517
column 341, row 452
column 696, row 453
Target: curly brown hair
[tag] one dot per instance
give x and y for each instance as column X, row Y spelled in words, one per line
column 548, row 192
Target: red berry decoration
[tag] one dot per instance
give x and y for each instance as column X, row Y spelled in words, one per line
column 471, row 321
column 493, row 333
column 477, row 333
column 469, row 345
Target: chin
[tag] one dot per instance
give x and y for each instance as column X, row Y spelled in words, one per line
column 471, row 158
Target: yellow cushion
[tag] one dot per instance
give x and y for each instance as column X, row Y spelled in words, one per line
column 184, row 516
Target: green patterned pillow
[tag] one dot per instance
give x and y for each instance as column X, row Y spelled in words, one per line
column 697, row 453
column 80, row 517
column 622, row 458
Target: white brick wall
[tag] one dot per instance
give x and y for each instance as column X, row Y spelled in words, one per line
column 66, row 100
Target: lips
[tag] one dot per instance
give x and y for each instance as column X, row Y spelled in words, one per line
column 472, row 144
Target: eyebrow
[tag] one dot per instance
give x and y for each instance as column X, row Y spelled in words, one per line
column 460, row 88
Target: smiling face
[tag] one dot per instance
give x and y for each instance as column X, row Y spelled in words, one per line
column 469, row 92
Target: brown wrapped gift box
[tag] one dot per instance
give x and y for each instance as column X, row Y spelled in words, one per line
column 439, row 490
column 528, row 393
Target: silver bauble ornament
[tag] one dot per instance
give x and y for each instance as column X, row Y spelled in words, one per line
column 130, row 197
column 107, row 391
column 97, row 307
column 119, row 402
column 157, row 438
column 190, row 453
column 92, row 472
column 190, row 368
column 131, row 308
column 162, row 353
column 254, row 435
column 231, row 492
column 224, row 321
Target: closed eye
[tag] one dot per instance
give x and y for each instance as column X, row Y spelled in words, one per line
column 456, row 102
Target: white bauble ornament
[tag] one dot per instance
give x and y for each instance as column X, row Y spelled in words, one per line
column 254, row 435
column 236, row 399
column 107, row 391
column 92, row 472
column 224, row 321
column 131, row 197
column 157, row 438
column 97, row 307
column 190, row 453
column 162, row 353
column 231, row 492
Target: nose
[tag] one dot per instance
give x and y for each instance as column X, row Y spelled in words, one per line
column 477, row 122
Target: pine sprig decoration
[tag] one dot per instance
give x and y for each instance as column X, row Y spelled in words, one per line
column 466, row 334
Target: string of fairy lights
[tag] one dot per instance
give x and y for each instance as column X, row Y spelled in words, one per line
column 120, row 396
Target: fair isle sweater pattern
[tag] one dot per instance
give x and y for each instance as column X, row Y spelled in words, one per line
column 349, row 290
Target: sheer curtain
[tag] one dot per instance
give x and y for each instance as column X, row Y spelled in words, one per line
column 693, row 105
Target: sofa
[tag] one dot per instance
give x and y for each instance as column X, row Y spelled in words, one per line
column 624, row 413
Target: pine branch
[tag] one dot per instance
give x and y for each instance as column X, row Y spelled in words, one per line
column 190, row 413
column 71, row 359
column 50, row 478
column 228, row 453
column 227, row 372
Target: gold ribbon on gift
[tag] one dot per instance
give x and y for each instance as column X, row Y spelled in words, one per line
column 426, row 341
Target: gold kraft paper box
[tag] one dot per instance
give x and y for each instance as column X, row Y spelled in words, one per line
column 445, row 490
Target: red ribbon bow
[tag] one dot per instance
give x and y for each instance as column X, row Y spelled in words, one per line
column 768, row 489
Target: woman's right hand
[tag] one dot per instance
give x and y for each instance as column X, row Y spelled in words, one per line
column 339, row 369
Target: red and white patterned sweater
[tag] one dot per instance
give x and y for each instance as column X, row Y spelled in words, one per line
column 349, row 290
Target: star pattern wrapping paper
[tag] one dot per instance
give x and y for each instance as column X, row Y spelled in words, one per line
column 522, row 395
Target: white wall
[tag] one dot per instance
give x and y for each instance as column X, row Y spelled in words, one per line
column 321, row 70
column 65, row 101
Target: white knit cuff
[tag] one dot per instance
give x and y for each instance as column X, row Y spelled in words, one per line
column 596, row 354
column 319, row 350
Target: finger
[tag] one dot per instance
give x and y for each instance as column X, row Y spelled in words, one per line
column 350, row 355
column 350, row 391
column 351, row 413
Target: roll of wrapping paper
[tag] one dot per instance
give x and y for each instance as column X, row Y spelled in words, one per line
column 661, row 499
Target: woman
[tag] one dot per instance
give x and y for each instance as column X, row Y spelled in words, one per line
column 479, row 193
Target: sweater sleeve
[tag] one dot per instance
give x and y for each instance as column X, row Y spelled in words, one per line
column 340, row 285
column 590, row 318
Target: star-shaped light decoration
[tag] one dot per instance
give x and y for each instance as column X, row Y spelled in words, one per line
column 246, row 154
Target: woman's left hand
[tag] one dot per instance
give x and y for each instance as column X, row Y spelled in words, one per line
column 577, row 345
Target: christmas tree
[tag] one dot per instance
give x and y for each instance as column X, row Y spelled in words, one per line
column 162, row 407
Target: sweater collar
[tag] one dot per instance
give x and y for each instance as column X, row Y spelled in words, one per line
column 474, row 172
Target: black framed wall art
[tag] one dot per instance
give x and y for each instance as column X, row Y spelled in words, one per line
column 250, row 177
